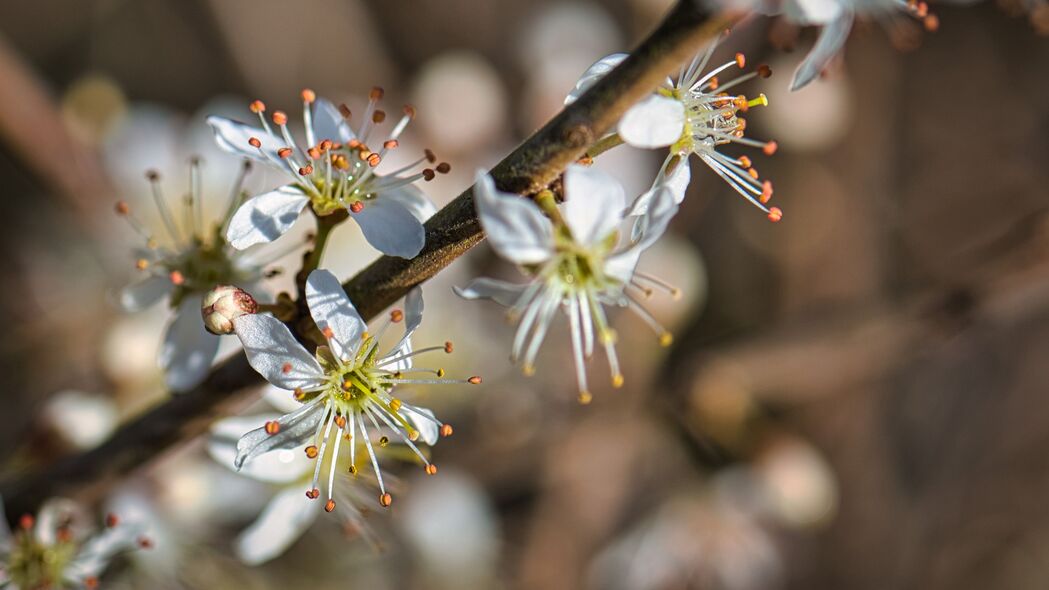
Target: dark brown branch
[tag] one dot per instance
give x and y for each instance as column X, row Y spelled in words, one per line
column 451, row 232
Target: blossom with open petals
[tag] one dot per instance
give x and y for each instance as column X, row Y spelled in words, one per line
column 336, row 169
column 695, row 115
column 57, row 550
column 345, row 390
column 181, row 263
column 579, row 260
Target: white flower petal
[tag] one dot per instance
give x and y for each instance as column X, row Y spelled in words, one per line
column 593, row 74
column 390, row 227
column 413, row 199
column 331, row 308
column 656, row 121
column 328, row 123
column 515, row 226
column 594, row 203
column 296, row 429
column 281, row 523
column 145, row 293
column 428, row 429
column 813, row 12
column 621, row 266
column 647, row 229
column 413, row 317
column 275, row 354
column 266, row 217
column 677, row 182
column 501, row 292
column 188, row 349
column 99, row 550
column 281, row 399
column 831, row 40
column 233, row 136
column 283, row 466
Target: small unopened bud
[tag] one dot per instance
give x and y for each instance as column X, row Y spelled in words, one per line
column 222, row 305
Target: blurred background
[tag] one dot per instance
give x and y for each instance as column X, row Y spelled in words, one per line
column 857, row 397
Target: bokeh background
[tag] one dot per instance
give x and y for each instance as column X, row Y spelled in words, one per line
column 857, row 397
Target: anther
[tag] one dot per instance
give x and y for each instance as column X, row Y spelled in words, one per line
column 328, row 332
column 340, row 421
column 176, row 277
column 413, row 434
column 395, row 404
column 285, row 368
column 141, row 264
column 431, row 469
column 299, row 394
column 257, row 106
column 396, row 316
column 585, row 397
column 390, row 144
column 373, row 160
column 308, row 96
column 272, row 427
column 91, row 583
column 353, row 470
column 528, row 370
column 444, row 168
column 111, row 520
column 145, row 542
column 356, row 206
column 280, row 118
column 313, row 153
column 745, row 162
column 306, row 170
column 666, row 339
column 448, row 347
column 440, row 373
column 313, row 494
column 446, row 430
column 931, row 22
column 376, row 93
column 311, row 451
column 617, row 380
column 345, row 111
column 378, row 116
column 152, row 175
column 383, row 441
column 26, row 521
column 329, row 505
column 386, row 500
column 428, row 174
column 766, row 191
column 475, row 380
column 254, row 142
column 770, row 148
column 775, row 214
column 764, row 71
column 326, row 144
column 284, row 152
column 741, row 60
column 409, row 111
column 713, row 82
column 430, row 157
column 122, row 208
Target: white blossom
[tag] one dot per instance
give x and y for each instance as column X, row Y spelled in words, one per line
column 57, row 549
column 578, row 260
column 336, row 169
column 181, row 263
column 694, row 115
column 345, row 390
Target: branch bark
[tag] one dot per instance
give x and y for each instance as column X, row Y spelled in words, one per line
column 449, row 233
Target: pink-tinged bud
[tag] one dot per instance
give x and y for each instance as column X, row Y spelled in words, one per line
column 222, row 305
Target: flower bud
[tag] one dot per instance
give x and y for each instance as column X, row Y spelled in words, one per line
column 222, row 305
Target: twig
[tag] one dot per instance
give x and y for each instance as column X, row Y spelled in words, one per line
column 449, row 233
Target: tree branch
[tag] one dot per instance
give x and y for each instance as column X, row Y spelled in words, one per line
column 449, row 233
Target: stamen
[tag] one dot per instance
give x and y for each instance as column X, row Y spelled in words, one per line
column 775, row 214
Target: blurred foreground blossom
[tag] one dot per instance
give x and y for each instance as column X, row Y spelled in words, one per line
column 694, row 115
column 191, row 258
column 576, row 262
column 59, row 549
column 335, row 171
column 346, row 385
column 94, row 417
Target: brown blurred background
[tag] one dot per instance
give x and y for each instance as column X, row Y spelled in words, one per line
column 857, row 397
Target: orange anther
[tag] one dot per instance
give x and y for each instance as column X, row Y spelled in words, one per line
column 328, row 332
column 373, row 160
column 313, row 494
column 254, row 142
column 448, row 347
column 329, row 505
column 26, row 521
column 340, row 421
column 272, row 427
column 766, row 191
column 298, row 394
column 311, row 451
column 280, row 117
column 390, row 144
column 931, row 22
column 376, row 93
column 326, row 144
column 745, row 162
column 257, row 106
column 345, row 111
column 121, row 208
column 306, row 170
column 446, row 430
column 91, row 583
column 378, row 116
column 308, row 95
column 176, row 277
column 741, row 60
column 285, row 368
column 713, row 82
column 409, row 111
column 357, row 206
column 141, row 264
column 764, row 71
column 753, row 172
column 431, row 469
column 284, row 152
column 145, row 542
column 475, row 380
column 396, row 316
column 112, row 520
column 775, row 214
column 770, row 148
column 386, row 500
column 313, row 153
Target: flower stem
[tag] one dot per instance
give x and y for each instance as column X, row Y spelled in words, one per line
column 311, row 260
column 606, row 143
